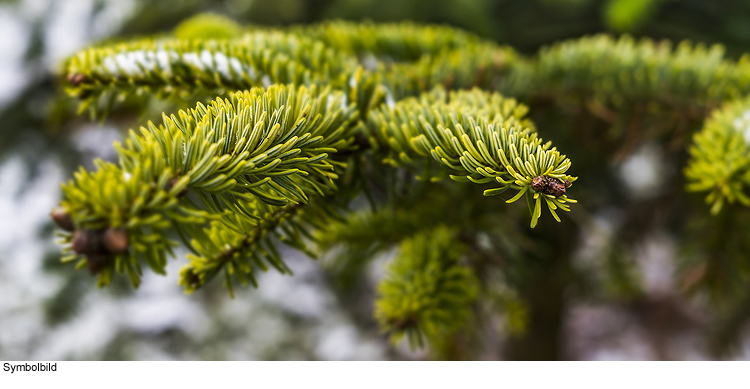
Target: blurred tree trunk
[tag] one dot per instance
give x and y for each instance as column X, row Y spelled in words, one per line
column 544, row 293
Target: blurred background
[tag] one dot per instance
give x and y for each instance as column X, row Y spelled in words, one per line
column 49, row 311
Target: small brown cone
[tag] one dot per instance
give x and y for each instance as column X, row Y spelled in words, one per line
column 555, row 188
column 63, row 219
column 116, row 240
column 540, row 183
column 87, row 242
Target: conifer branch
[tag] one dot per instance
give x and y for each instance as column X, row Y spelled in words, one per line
column 259, row 146
column 389, row 42
column 240, row 248
column 624, row 72
column 260, row 164
column 179, row 68
column 720, row 157
column 483, row 65
column 482, row 136
column 427, row 292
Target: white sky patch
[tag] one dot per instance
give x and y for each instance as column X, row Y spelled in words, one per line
column 656, row 259
column 14, row 37
column 68, row 29
column 149, row 313
column 111, row 16
column 299, row 294
column 342, row 342
column 24, row 209
column 96, row 141
column 643, row 172
column 82, row 338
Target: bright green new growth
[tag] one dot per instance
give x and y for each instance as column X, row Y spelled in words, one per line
column 427, row 293
column 720, row 157
column 483, row 138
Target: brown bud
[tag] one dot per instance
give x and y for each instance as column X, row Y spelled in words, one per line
column 76, row 79
column 540, row 183
column 63, row 219
column 555, row 188
column 88, row 242
column 97, row 262
column 116, row 240
column 567, row 183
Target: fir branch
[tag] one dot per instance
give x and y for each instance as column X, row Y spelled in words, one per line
column 623, row 72
column 482, row 65
column 178, row 68
column 241, row 249
column 390, row 42
column 427, row 292
column 720, row 157
column 484, row 137
column 270, row 146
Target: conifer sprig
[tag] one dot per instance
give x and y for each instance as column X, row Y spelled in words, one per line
column 483, row 137
column 477, row 65
column 622, row 72
column 720, row 157
column 241, row 246
column 390, row 42
column 427, row 292
column 180, row 68
column 271, row 146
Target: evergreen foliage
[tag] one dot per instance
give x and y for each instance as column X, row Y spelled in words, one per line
column 240, row 158
column 390, row 42
column 623, row 72
column 427, row 293
column 484, row 137
column 720, row 156
column 181, row 68
column 292, row 127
